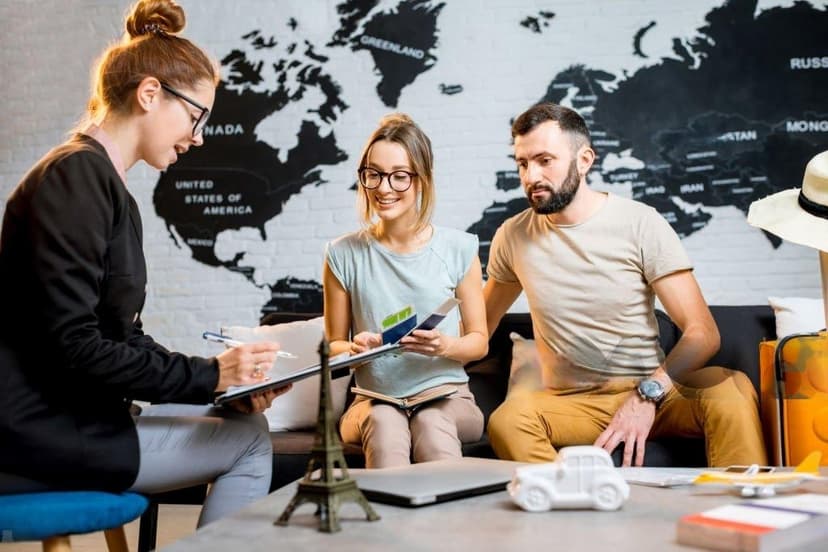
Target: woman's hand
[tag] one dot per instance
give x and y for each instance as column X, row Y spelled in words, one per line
column 245, row 364
column 258, row 402
column 428, row 342
column 364, row 341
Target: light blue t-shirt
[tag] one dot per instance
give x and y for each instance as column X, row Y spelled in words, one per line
column 381, row 282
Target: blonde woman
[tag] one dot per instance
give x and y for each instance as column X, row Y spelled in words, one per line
column 401, row 259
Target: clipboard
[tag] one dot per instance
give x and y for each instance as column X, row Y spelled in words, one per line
column 339, row 367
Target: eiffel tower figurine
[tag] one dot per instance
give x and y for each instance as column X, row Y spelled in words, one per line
column 328, row 491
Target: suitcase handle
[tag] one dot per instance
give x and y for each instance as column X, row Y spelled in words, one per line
column 780, row 389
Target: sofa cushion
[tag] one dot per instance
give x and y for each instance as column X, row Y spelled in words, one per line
column 301, row 442
column 797, row 315
column 297, row 409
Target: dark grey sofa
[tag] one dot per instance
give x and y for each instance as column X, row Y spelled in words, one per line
column 741, row 329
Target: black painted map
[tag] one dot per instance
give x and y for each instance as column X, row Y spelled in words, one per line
column 730, row 116
column 401, row 42
column 236, row 180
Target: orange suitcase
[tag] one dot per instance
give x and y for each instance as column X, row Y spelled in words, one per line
column 794, row 397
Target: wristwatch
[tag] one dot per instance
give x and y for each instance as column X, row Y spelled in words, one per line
column 652, row 390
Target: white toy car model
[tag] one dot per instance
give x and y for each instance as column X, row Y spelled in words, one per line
column 580, row 477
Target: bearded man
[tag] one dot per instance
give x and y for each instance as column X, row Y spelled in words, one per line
column 591, row 265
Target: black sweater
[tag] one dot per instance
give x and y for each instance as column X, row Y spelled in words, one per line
column 72, row 353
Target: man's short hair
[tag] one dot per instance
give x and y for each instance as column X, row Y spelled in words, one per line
column 568, row 119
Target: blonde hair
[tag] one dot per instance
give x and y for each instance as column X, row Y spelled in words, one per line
column 150, row 47
column 400, row 129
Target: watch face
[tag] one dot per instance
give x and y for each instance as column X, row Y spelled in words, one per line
column 650, row 388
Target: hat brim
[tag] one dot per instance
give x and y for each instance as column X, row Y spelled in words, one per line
column 781, row 214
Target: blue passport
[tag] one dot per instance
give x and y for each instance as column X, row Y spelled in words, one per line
column 395, row 333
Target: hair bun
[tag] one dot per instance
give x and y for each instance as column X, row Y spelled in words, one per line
column 396, row 118
column 156, row 17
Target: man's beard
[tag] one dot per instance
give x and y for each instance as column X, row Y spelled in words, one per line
column 557, row 201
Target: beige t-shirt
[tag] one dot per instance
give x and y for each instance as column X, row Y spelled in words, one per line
column 588, row 287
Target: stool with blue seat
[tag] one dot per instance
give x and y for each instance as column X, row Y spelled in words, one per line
column 51, row 517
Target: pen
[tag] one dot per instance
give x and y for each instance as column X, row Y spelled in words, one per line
column 230, row 342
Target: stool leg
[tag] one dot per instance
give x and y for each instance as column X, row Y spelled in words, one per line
column 57, row 544
column 148, row 528
column 116, row 540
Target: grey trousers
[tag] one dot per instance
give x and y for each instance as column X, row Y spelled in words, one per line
column 185, row 445
column 435, row 431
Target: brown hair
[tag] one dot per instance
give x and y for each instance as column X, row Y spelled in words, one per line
column 401, row 129
column 568, row 119
column 150, row 47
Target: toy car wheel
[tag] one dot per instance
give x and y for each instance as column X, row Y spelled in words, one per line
column 535, row 499
column 608, row 497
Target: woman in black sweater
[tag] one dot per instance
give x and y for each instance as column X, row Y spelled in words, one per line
column 73, row 355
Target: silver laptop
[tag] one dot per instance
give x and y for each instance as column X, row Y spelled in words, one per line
column 433, row 482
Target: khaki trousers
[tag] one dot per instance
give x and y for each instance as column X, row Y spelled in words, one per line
column 391, row 436
column 715, row 403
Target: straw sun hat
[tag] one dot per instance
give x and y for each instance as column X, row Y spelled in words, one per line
column 798, row 215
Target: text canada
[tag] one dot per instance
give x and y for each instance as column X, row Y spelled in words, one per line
column 227, row 129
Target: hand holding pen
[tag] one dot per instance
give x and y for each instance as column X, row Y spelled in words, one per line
column 244, row 363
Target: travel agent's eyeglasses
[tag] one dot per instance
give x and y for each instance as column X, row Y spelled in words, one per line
column 202, row 117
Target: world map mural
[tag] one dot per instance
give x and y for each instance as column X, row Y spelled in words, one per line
column 725, row 119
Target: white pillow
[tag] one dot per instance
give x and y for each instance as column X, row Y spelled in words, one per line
column 299, row 407
column 797, row 315
column 525, row 371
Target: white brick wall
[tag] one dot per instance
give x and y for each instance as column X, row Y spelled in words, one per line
column 48, row 46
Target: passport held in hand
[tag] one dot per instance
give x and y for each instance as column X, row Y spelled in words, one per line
column 404, row 322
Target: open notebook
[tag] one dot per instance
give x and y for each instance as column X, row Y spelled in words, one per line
column 434, row 482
